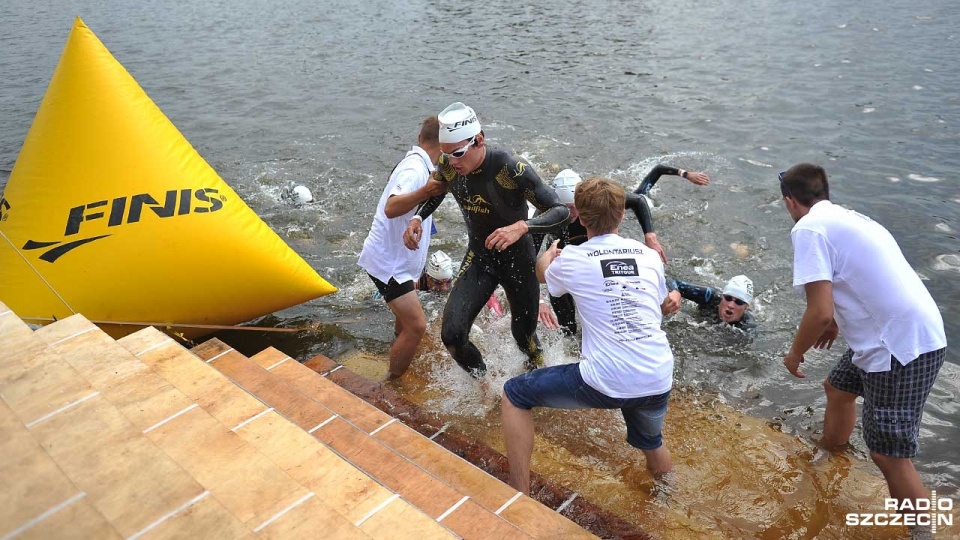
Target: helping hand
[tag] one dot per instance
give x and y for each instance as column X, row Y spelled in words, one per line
column 547, row 317
column 793, row 361
column 411, row 236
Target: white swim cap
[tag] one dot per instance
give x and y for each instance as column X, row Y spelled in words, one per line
column 440, row 266
column 740, row 287
column 302, row 194
column 565, row 184
column 458, row 123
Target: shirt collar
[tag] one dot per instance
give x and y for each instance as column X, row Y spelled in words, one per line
column 423, row 154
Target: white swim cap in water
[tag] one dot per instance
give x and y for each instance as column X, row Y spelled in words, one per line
column 302, row 194
column 740, row 287
column 458, row 123
column 565, row 184
column 440, row 266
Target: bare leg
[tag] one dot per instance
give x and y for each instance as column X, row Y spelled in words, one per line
column 412, row 324
column 902, row 478
column 518, row 437
column 839, row 418
column 658, row 461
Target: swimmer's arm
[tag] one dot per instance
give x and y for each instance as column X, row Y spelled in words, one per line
column 697, row 293
column 428, row 207
column 642, row 210
column 398, row 205
column 650, row 180
column 554, row 214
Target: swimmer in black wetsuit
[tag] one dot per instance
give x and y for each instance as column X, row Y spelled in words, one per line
column 575, row 234
column 650, row 180
column 492, row 188
column 729, row 306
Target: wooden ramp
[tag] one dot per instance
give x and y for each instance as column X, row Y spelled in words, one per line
column 143, row 438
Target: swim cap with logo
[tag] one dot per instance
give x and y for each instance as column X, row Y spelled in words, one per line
column 458, row 123
column 565, row 184
column 740, row 287
column 440, row 266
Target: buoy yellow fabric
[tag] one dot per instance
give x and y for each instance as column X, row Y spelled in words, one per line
column 110, row 212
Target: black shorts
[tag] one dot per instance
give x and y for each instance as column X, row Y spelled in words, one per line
column 392, row 290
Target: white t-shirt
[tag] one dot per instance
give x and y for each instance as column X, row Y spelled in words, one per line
column 618, row 286
column 880, row 304
column 384, row 256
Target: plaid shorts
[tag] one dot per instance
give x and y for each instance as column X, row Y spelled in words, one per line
column 892, row 400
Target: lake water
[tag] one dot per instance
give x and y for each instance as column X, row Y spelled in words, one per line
column 330, row 95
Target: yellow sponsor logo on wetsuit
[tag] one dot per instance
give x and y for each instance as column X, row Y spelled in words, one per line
column 475, row 204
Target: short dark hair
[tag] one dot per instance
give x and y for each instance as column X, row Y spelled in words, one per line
column 430, row 131
column 807, row 183
column 600, row 203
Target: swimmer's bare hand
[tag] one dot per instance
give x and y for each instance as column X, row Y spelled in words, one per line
column 505, row 237
column 411, row 236
column 698, row 178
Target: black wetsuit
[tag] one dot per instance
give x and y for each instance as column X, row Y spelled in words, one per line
column 708, row 299
column 575, row 234
column 495, row 195
column 651, row 179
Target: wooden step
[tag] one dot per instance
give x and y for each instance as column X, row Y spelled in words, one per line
column 337, row 484
column 428, row 493
column 15, row 336
column 125, row 477
column 534, row 519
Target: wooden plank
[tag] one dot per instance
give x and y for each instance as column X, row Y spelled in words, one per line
column 206, row 519
column 470, row 520
column 354, row 409
column 65, row 329
column 270, row 358
column 32, row 484
column 78, row 520
column 338, row 483
column 243, row 480
column 293, row 405
column 142, row 395
column 15, row 335
column 42, row 385
column 143, row 339
column 128, row 479
column 203, row 384
column 392, row 470
column 461, row 475
column 541, row 522
column 399, row 521
column 312, row 519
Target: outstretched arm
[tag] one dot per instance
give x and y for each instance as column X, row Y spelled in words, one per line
column 650, row 180
column 638, row 203
column 698, row 293
column 552, row 215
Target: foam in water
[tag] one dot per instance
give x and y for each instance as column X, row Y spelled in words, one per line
column 757, row 163
column 948, row 262
column 925, row 179
column 893, row 179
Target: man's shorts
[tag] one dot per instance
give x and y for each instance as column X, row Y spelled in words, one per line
column 562, row 387
column 392, row 290
column 892, row 400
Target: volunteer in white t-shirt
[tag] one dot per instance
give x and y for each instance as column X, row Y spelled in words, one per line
column 393, row 268
column 620, row 291
column 858, row 283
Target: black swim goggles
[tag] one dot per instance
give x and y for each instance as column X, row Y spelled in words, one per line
column 462, row 151
column 733, row 299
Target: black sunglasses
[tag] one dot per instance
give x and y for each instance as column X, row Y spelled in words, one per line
column 733, row 299
column 784, row 190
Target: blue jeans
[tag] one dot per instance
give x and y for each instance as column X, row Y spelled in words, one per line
column 562, row 387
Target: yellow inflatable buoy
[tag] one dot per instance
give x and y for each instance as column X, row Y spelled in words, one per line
column 110, row 212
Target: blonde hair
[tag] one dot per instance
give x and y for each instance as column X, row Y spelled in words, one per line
column 600, row 203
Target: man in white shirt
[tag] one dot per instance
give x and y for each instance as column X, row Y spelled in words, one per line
column 858, row 283
column 393, row 268
column 620, row 291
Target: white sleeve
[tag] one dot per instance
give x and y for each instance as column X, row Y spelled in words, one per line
column 812, row 258
column 408, row 180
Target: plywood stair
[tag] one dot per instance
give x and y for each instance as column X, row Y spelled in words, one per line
column 140, row 437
